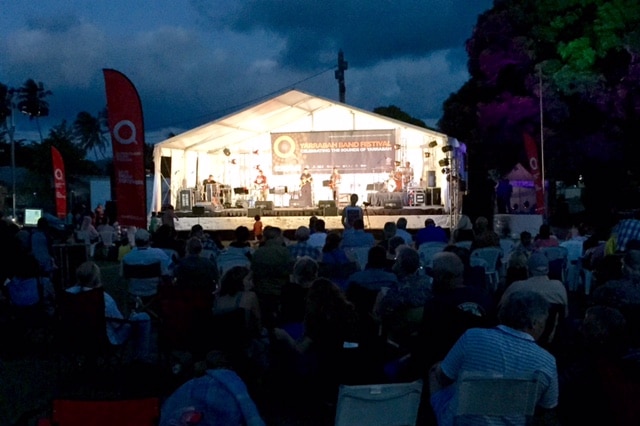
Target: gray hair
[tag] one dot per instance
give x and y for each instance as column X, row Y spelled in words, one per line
column 305, row 270
column 407, row 261
column 523, row 309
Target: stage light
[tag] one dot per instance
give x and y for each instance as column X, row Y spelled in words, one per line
column 397, row 163
column 446, row 171
column 226, row 152
column 444, row 162
column 397, row 146
column 433, row 144
column 447, row 148
column 427, row 154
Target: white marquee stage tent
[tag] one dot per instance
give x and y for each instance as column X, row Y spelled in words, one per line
column 295, row 129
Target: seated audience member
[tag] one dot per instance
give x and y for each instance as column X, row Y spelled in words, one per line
column 332, row 253
column 139, row 326
column 329, row 322
column 41, row 245
column 454, row 308
column 463, row 230
column 589, row 392
column 209, row 243
column 473, row 275
column 143, row 254
column 375, row 275
column 357, row 236
column 302, row 247
column 401, row 231
column 271, row 266
column 388, row 231
column 294, row 294
column 235, row 293
column 241, row 242
column 196, row 271
column 219, row 397
column 545, row 238
column 431, row 233
column 508, row 349
column 484, row 235
column 166, row 238
column 319, row 235
column 29, row 287
column 553, row 291
column 399, row 307
column 517, row 269
column 525, row 245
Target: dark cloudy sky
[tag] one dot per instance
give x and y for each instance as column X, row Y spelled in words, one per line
column 194, row 61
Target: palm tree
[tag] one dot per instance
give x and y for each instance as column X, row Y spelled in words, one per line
column 5, row 106
column 31, row 101
column 90, row 132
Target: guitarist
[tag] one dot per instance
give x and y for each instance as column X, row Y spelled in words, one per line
column 334, row 184
column 305, row 187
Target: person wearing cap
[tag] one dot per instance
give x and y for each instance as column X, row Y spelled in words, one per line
column 143, row 254
column 538, row 282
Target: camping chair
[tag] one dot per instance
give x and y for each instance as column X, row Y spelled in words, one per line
column 81, row 331
column 129, row 412
column 139, row 278
column 394, row 404
column 184, row 314
column 481, row 394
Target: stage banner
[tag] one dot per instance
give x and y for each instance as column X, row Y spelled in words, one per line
column 59, row 182
column 534, row 167
column 127, row 136
column 359, row 151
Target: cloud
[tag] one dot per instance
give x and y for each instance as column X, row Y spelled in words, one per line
column 369, row 31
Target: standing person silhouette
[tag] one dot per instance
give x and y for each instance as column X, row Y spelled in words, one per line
column 306, row 196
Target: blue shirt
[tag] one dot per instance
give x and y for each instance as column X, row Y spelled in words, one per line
column 429, row 234
column 357, row 238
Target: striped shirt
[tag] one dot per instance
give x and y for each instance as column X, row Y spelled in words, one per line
column 503, row 351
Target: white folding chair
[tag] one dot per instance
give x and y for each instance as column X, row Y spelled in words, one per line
column 574, row 253
column 427, row 251
column 359, row 255
column 394, row 404
column 228, row 259
column 483, row 394
column 490, row 255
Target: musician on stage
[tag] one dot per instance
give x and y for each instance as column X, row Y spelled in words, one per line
column 407, row 174
column 305, row 188
column 262, row 185
column 209, row 191
column 334, row 184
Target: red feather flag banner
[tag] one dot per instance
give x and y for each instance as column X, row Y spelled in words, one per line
column 127, row 138
column 59, row 182
column 534, row 166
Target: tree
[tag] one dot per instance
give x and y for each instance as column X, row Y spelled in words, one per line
column 5, row 106
column 581, row 60
column 90, row 132
column 31, row 101
column 396, row 113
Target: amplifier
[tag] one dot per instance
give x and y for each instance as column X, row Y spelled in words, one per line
column 392, row 205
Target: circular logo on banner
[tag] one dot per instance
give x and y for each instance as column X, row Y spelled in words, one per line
column 533, row 163
column 284, row 147
column 58, row 174
column 117, row 129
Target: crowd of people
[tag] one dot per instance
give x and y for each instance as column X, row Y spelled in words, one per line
column 340, row 306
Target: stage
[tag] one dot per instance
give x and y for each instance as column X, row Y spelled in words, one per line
column 290, row 218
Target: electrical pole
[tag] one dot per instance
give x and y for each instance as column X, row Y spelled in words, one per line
column 339, row 73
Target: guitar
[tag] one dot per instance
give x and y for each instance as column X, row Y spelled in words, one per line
column 305, row 180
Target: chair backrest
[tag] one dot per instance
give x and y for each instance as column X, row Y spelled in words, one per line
column 133, row 412
column 428, row 250
column 359, row 255
column 574, row 249
column 486, row 394
column 82, row 326
column 554, row 253
column 228, row 259
column 152, row 270
column 184, row 314
column 490, row 255
column 394, row 404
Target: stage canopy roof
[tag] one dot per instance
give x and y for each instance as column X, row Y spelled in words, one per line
column 270, row 116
